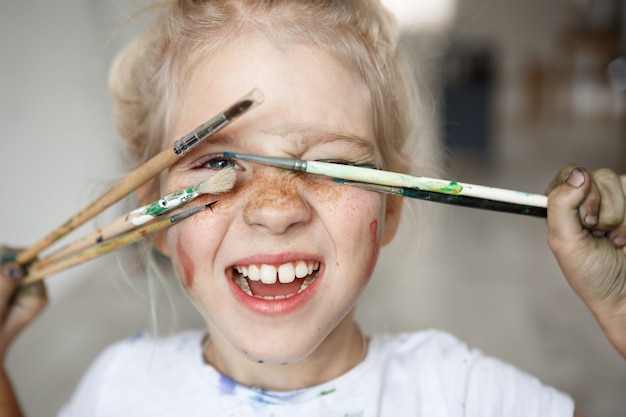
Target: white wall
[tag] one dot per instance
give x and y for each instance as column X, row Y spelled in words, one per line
column 59, row 150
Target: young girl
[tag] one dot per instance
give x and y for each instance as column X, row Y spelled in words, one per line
column 276, row 269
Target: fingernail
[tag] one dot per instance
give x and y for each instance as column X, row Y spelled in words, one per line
column 598, row 233
column 576, row 178
column 619, row 241
column 591, row 220
column 15, row 272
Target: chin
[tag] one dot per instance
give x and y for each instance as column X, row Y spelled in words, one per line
column 271, row 354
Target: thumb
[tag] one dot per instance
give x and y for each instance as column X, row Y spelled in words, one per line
column 568, row 193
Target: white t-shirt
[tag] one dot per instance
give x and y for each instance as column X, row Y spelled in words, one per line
column 426, row 374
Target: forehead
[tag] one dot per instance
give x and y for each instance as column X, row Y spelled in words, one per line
column 306, row 90
column 317, row 132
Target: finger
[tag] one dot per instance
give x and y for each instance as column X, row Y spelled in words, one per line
column 618, row 234
column 561, row 177
column 10, row 275
column 607, row 188
column 575, row 176
column 567, row 193
column 27, row 303
column 589, row 208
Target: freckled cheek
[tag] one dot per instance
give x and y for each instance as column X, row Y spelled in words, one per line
column 361, row 209
column 193, row 244
column 338, row 200
column 365, row 210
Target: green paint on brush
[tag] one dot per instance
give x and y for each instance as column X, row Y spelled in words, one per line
column 171, row 201
column 452, row 188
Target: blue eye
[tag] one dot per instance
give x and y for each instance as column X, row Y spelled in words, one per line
column 216, row 162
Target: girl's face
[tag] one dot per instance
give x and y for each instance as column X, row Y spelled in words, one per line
column 281, row 260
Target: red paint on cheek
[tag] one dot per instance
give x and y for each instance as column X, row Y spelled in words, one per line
column 375, row 246
column 186, row 263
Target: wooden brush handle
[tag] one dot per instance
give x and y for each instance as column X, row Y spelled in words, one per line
column 37, row 272
column 120, row 190
column 144, row 173
column 114, row 228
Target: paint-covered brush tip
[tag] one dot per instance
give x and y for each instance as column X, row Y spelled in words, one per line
column 219, row 183
column 252, row 99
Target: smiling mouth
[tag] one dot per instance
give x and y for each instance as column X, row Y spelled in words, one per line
column 275, row 282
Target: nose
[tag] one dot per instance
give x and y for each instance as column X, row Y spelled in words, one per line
column 275, row 203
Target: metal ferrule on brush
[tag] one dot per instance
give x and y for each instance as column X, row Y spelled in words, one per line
column 192, row 139
column 185, row 214
column 386, row 189
column 286, row 163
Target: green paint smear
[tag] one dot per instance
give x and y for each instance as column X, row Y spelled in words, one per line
column 452, row 188
column 156, row 209
column 330, row 391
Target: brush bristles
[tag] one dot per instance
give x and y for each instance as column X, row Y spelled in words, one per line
column 252, row 99
column 219, row 183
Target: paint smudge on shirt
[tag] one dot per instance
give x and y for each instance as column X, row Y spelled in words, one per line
column 227, row 385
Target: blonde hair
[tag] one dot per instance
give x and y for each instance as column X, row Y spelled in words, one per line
column 147, row 76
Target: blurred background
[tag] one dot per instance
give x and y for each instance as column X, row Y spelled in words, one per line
column 522, row 88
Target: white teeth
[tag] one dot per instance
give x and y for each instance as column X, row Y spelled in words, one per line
column 268, row 274
column 253, row 273
column 278, row 297
column 286, row 273
column 307, row 282
column 301, row 269
column 243, row 284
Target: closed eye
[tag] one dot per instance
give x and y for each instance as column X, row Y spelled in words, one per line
column 354, row 164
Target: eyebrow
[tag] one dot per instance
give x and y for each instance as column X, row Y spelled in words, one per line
column 352, row 142
column 223, row 139
column 309, row 135
column 320, row 134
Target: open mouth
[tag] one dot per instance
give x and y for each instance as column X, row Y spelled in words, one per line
column 275, row 282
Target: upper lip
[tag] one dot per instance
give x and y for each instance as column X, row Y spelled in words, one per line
column 276, row 259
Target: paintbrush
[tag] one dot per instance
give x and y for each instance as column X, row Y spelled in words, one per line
column 145, row 172
column 453, row 199
column 37, row 272
column 425, row 188
column 218, row 183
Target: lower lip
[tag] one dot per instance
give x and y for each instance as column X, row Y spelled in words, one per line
column 274, row 307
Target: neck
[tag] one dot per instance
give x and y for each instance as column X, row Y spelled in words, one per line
column 343, row 349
